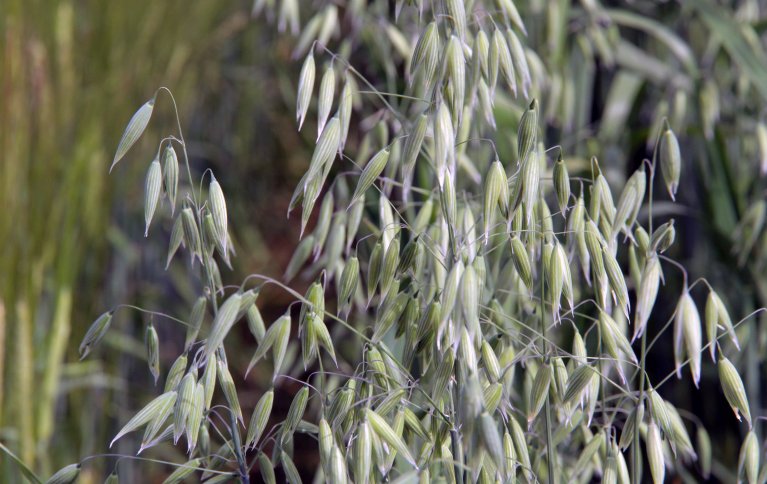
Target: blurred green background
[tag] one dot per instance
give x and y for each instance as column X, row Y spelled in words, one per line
column 72, row 73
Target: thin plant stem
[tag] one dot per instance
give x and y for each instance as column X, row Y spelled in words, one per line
column 635, row 454
column 546, row 357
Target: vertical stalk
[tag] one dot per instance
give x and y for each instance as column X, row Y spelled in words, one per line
column 603, row 397
column 242, row 466
column 635, row 462
column 549, row 442
column 547, row 405
column 3, row 355
column 23, row 401
column 195, row 201
column 455, row 439
column 56, row 349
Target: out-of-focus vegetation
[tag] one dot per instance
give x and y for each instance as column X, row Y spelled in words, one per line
column 71, row 74
column 72, row 241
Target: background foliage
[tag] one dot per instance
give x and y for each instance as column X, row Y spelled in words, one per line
column 73, row 72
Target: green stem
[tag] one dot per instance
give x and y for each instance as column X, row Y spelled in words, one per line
column 196, row 202
column 23, row 468
column 547, row 406
column 455, row 440
column 183, row 144
column 635, row 450
column 635, row 458
column 241, row 464
column 603, row 397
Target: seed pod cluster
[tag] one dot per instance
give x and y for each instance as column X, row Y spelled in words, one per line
column 442, row 285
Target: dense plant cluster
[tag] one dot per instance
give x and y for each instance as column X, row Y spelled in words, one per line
column 499, row 303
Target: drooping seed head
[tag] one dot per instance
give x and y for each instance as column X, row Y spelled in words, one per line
column 519, row 57
column 305, row 88
column 133, row 131
column 688, row 330
column 481, row 52
column 426, row 56
column 617, row 281
column 528, row 131
column 170, row 175
column 153, row 410
column 362, row 453
column 733, row 389
column 539, row 391
column 152, row 351
column 761, row 139
column 191, row 233
column 184, row 404
column 456, row 73
column 184, row 471
column 372, row 171
column 194, row 419
column 748, row 459
column 65, row 475
column 501, row 56
column 260, row 419
column 648, row 291
column 655, row 454
column 670, row 160
column 153, row 188
column 561, row 184
column 325, row 100
column 225, row 319
column 496, row 195
column 176, row 372
column 95, row 333
column 295, row 413
column 663, row 237
column 704, row 451
column 444, row 142
column 176, row 240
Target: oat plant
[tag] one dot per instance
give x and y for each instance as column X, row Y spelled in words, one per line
column 498, row 305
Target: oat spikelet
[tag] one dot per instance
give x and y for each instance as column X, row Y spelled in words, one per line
column 305, row 88
column 733, row 389
column 133, row 131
